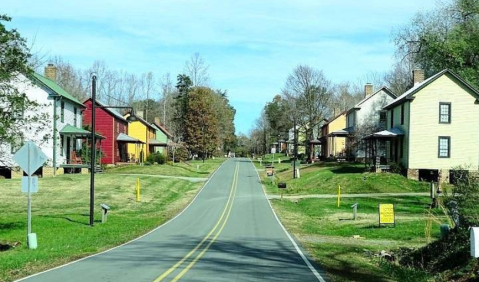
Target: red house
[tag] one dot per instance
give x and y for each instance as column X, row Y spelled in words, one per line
column 111, row 125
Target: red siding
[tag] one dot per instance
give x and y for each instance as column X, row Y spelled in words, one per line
column 106, row 125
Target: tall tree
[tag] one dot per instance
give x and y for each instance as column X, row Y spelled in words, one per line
column 278, row 120
column 197, row 70
column 310, row 94
column 446, row 37
column 201, row 123
column 18, row 114
column 184, row 87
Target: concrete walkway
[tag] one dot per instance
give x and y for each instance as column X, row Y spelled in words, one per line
column 192, row 179
column 328, row 196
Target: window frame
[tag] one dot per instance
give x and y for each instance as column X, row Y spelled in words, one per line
column 448, row 114
column 62, row 111
column 448, row 138
column 75, row 119
column 392, row 117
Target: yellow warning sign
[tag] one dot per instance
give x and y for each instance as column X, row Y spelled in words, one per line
column 386, row 214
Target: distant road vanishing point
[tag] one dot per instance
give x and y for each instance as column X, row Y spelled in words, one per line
column 228, row 233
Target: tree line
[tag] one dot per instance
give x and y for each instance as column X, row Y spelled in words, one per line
column 200, row 118
column 444, row 37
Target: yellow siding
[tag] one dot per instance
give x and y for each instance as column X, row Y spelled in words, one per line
column 425, row 127
column 339, row 144
column 138, row 130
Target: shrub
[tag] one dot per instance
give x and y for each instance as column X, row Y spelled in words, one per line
column 157, row 157
column 181, row 153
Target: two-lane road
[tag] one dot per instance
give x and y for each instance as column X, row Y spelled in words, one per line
column 228, row 233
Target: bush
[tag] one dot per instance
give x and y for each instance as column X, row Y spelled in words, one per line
column 157, row 157
column 181, row 154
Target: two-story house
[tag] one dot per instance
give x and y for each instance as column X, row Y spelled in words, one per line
column 433, row 127
column 333, row 139
column 366, row 117
column 162, row 137
column 143, row 131
column 63, row 129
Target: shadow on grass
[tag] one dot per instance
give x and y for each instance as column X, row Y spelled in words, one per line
column 348, row 169
column 12, row 225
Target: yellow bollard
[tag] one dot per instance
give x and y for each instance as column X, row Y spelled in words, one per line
column 339, row 195
column 138, row 197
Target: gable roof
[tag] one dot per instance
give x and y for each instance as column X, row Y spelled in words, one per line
column 408, row 94
column 56, row 88
column 334, row 118
column 384, row 88
column 109, row 110
column 163, row 129
column 140, row 119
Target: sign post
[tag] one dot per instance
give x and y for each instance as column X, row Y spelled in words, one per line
column 386, row 214
column 30, row 158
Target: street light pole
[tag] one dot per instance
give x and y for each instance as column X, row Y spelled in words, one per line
column 93, row 150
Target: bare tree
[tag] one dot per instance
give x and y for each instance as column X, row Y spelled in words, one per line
column 166, row 86
column 197, row 70
column 310, row 94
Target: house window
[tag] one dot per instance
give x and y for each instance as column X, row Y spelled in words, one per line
column 61, row 145
column 444, row 112
column 444, row 147
column 75, row 116
column 402, row 114
column 62, row 112
column 382, row 118
column 392, row 117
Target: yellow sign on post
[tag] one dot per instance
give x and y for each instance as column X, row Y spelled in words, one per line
column 339, row 195
column 386, row 214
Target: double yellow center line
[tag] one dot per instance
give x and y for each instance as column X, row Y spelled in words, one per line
column 211, row 236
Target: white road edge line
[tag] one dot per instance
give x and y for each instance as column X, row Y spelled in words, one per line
column 303, row 256
column 146, row 234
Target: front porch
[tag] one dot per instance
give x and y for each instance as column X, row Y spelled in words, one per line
column 384, row 149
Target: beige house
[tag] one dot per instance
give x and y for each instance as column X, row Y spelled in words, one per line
column 432, row 128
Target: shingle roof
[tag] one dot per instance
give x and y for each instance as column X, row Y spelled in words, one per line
column 56, row 88
column 408, row 94
column 384, row 88
column 110, row 110
column 162, row 128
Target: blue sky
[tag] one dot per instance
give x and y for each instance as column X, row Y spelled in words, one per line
column 250, row 46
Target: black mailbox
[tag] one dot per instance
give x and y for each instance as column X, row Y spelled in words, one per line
column 282, row 185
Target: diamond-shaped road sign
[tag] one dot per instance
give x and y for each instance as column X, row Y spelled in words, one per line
column 31, row 152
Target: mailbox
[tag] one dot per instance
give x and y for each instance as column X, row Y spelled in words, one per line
column 104, row 216
column 270, row 170
column 282, row 185
column 475, row 242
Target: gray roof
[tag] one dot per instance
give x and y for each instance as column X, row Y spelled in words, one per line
column 384, row 88
column 110, row 110
column 408, row 94
column 389, row 133
column 127, row 138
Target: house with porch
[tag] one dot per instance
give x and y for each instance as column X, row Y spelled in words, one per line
column 143, row 131
column 162, row 138
column 63, row 130
column 366, row 117
column 333, row 137
column 114, row 127
column 432, row 129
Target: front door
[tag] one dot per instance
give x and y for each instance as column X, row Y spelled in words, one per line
column 68, row 149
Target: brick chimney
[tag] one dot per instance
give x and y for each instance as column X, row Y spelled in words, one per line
column 368, row 89
column 418, row 76
column 51, row 72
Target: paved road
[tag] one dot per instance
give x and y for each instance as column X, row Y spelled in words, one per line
column 228, row 233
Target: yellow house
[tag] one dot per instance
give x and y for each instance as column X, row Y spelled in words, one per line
column 143, row 131
column 334, row 137
column 433, row 128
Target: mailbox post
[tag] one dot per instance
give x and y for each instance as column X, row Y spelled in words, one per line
column 281, row 187
column 355, row 210
column 104, row 215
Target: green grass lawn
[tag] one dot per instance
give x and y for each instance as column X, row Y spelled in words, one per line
column 324, row 178
column 327, row 232
column 194, row 168
column 61, row 214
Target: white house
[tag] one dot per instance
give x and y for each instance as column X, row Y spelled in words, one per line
column 367, row 117
column 60, row 138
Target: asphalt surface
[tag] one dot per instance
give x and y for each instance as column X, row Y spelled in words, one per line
column 228, row 233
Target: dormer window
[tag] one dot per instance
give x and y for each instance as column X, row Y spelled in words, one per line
column 444, row 112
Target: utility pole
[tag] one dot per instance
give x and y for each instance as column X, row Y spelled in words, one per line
column 93, row 150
